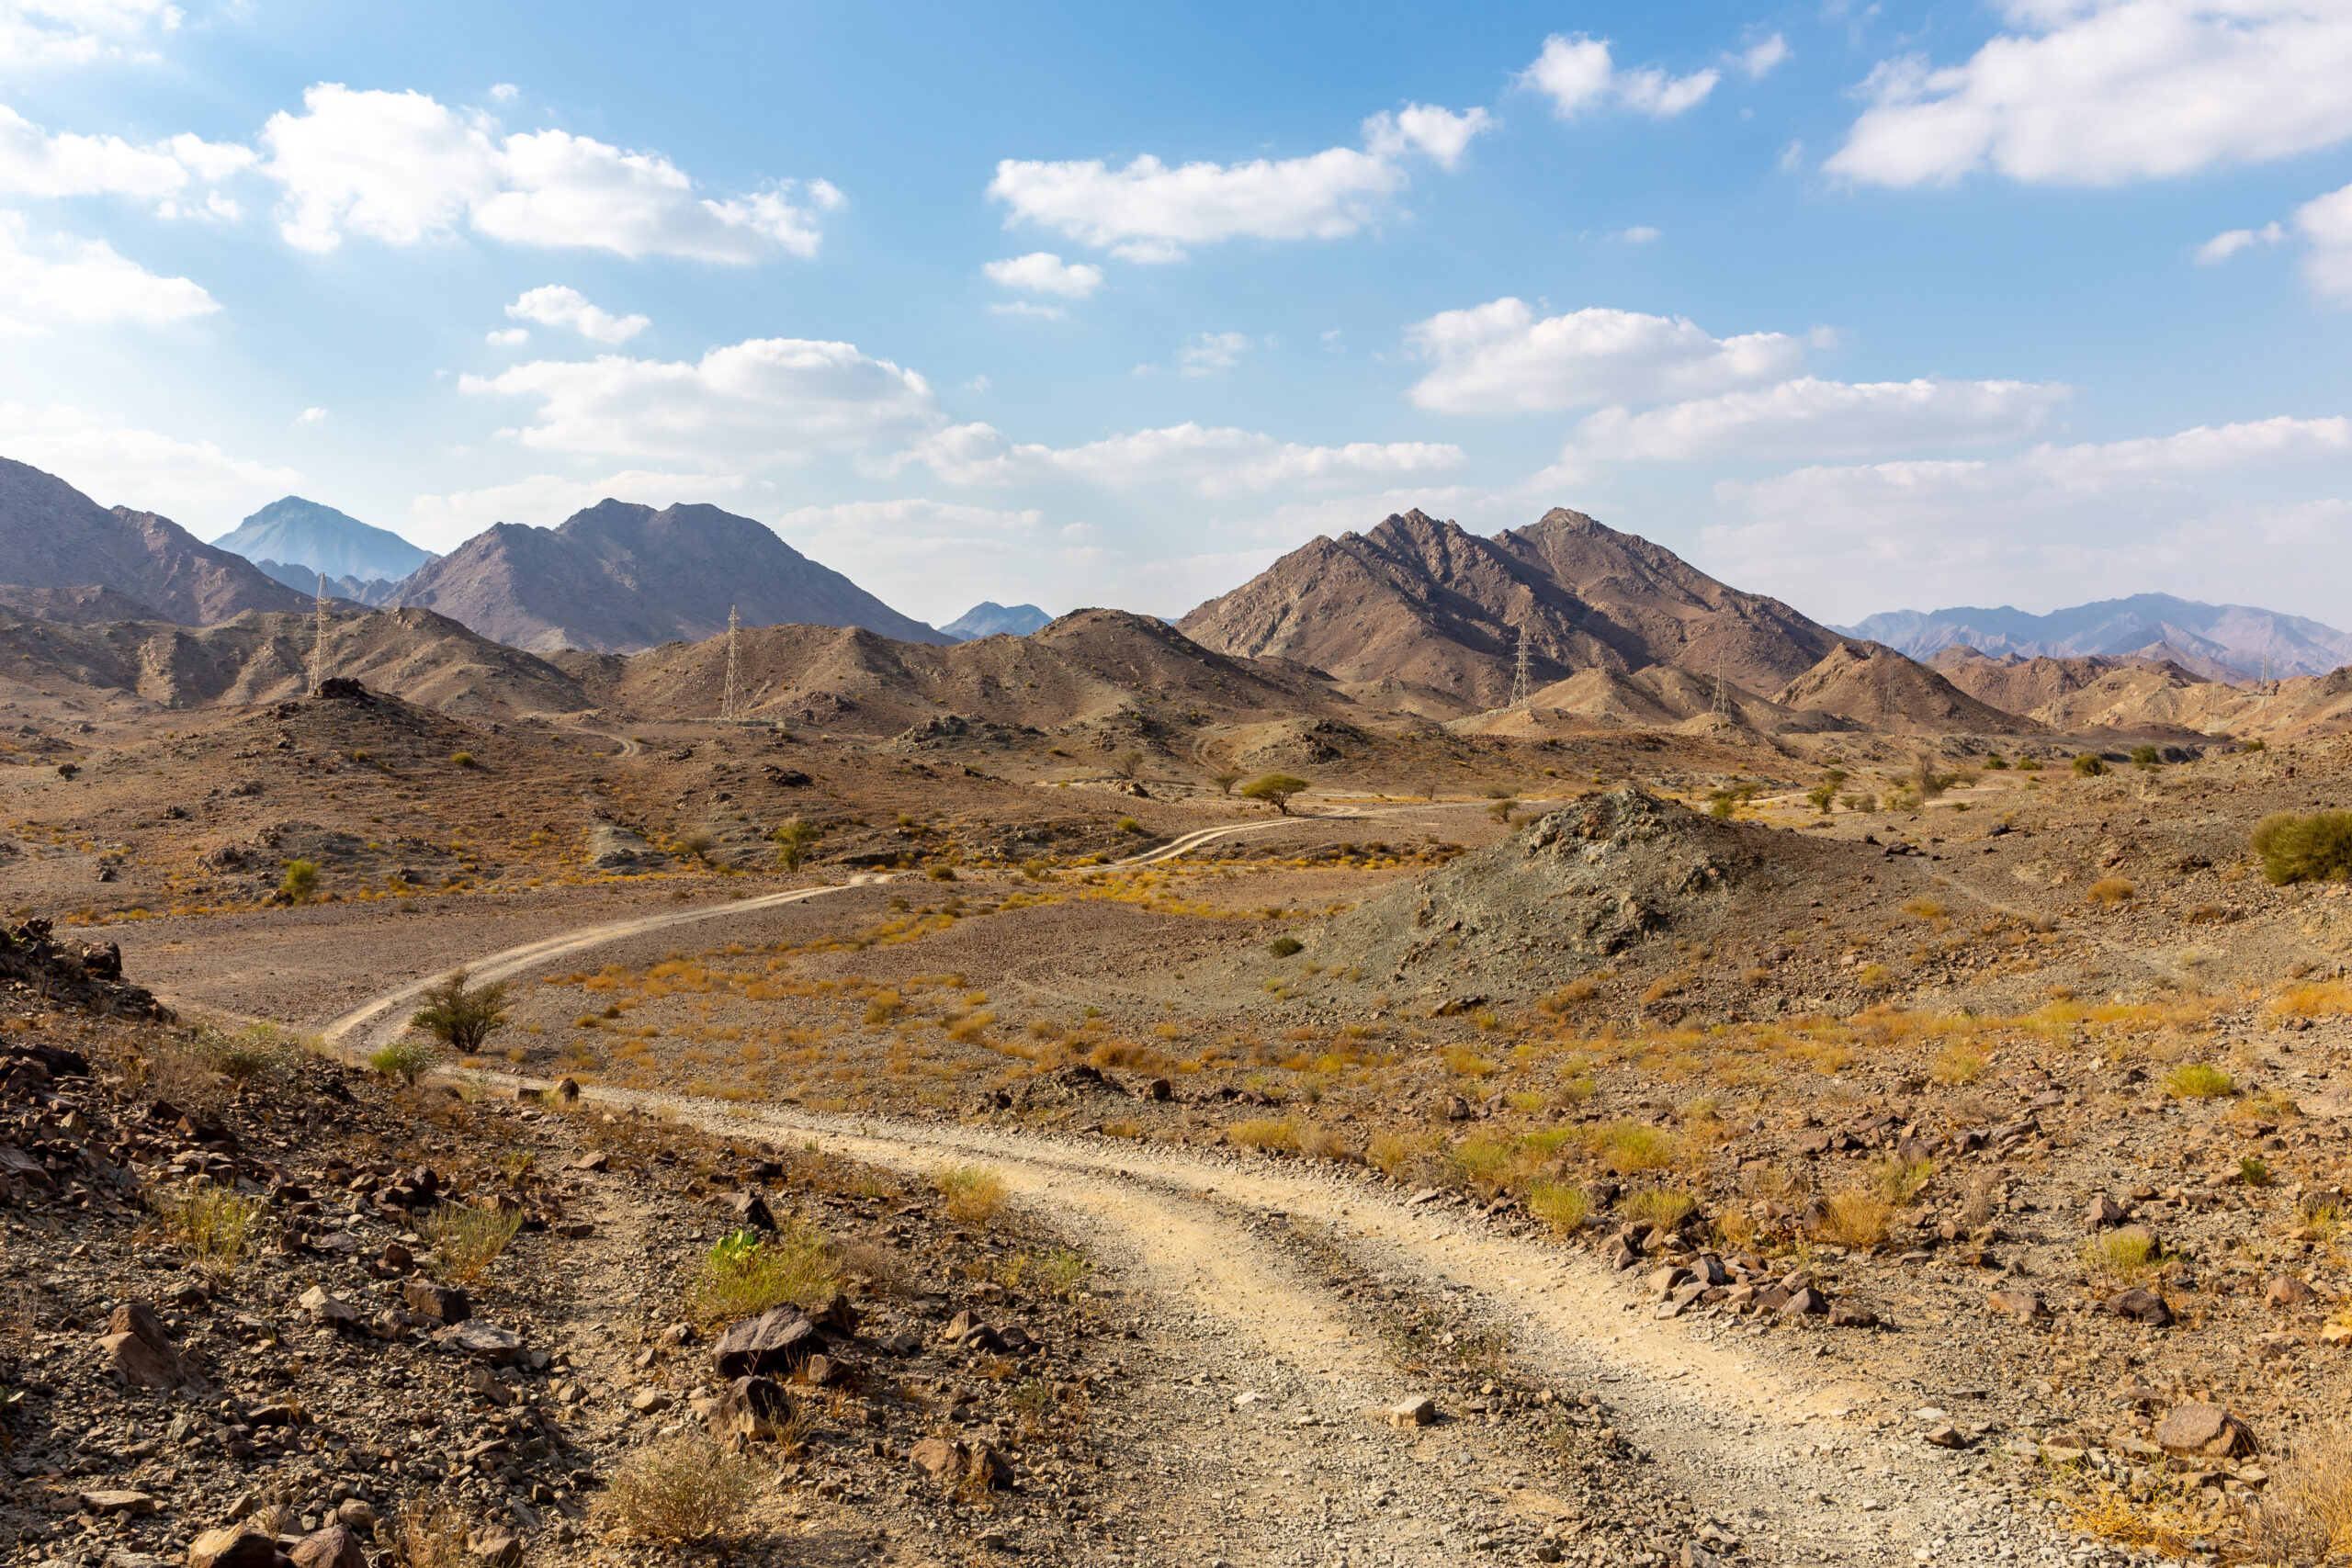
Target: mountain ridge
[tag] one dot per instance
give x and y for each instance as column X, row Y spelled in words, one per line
column 2231, row 637
column 310, row 536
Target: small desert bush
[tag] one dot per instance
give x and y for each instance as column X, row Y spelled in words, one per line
column 2089, row 765
column 1956, row 1065
column 2109, row 891
column 1065, row 1271
column 2199, row 1080
column 1468, row 1065
column 407, row 1060
column 1659, row 1206
column 1899, row 1183
column 240, row 1058
column 1562, row 1207
column 1392, row 1152
column 431, row 1540
column 974, row 1194
column 209, row 1223
column 688, row 1489
column 300, row 884
column 2317, row 848
column 466, row 1242
column 1265, row 1132
column 1284, row 946
column 747, row 1274
column 463, row 759
column 2305, row 1516
column 1855, row 1217
column 2128, row 1257
column 1630, row 1148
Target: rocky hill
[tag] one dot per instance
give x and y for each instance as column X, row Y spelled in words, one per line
column 1427, row 605
column 54, row 537
column 2236, row 638
column 1883, row 691
column 620, row 578
column 306, row 536
column 415, row 655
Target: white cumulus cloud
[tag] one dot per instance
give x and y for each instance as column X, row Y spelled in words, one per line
column 1041, row 272
column 36, row 164
column 747, row 404
column 192, row 482
column 402, row 167
column 1500, row 357
column 2098, row 92
column 60, row 281
column 1210, row 462
column 48, row 33
column 2229, row 243
column 2326, row 223
column 1760, row 59
column 1148, row 212
column 553, row 305
column 2078, row 522
column 1808, row 417
column 1575, row 72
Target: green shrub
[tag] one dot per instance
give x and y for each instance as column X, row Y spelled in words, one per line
column 1130, row 825
column 1660, row 1207
column 2146, row 757
column 209, row 1223
column 2030, row 765
column 793, row 842
column 2199, row 1080
column 941, row 874
column 300, row 884
column 407, row 1060
column 2316, row 847
column 1997, row 762
column 2254, row 746
column 464, row 759
column 2089, row 765
column 1284, row 946
column 2129, row 1258
column 459, row 1017
column 747, row 1274
column 1561, row 1207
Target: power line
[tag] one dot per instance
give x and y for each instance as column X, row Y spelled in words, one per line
column 734, row 624
column 319, row 639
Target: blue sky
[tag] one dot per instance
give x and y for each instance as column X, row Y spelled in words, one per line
column 1867, row 307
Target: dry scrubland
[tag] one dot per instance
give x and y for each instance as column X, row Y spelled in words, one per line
column 2019, row 1092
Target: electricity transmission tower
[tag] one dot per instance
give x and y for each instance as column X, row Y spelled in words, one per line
column 319, row 639
column 734, row 624
column 1521, row 686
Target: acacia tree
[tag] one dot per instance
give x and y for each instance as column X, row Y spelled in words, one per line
column 1276, row 789
column 460, row 1017
column 1225, row 781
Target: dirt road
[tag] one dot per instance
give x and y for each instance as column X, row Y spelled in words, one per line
column 1262, row 1381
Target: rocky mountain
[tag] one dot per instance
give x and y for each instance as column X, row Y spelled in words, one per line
column 2220, row 641
column 306, row 537
column 619, row 578
column 54, row 537
column 989, row 618
column 1424, row 604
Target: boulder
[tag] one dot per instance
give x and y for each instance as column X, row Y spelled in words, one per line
column 479, row 1337
column 337, row 1546
column 752, row 1211
column 142, row 1356
column 115, row 1502
column 2101, row 1212
column 1804, row 1301
column 2209, row 1431
column 751, row 1408
column 2288, row 1291
column 1412, row 1413
column 333, row 1311
column 495, row 1546
column 937, row 1458
column 777, row 1341
column 2024, row 1305
column 235, row 1546
column 1848, row 1313
column 443, row 1303
column 2140, row 1305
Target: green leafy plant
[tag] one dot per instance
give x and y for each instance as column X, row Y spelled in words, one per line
column 459, row 1016
column 2146, row 757
column 407, row 1060
column 464, row 759
column 1224, row 779
column 746, row 1274
column 2088, row 765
